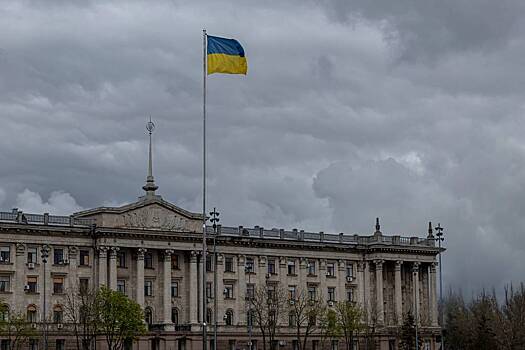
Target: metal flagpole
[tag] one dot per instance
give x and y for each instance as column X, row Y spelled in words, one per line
column 203, row 313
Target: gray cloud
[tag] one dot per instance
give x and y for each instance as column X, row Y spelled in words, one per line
column 408, row 111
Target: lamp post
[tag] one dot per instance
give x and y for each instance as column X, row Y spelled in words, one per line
column 214, row 219
column 440, row 238
column 45, row 255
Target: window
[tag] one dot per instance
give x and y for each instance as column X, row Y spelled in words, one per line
column 271, row 266
column 32, row 255
column 391, row 344
column 291, row 292
column 4, row 284
column 59, row 344
column 148, row 315
column 31, row 284
column 271, row 291
column 4, row 313
column 311, row 293
column 5, row 344
column 31, row 313
column 121, row 259
column 292, row 319
column 84, row 257
column 58, row 256
column 174, row 289
column 209, row 290
column 5, row 254
column 228, row 317
column 335, row 345
column 175, row 261
column 311, row 267
column 231, row 344
column 209, row 263
column 121, row 286
column 250, row 318
column 228, row 264
column 33, row 344
column 208, row 316
column 83, row 284
column 295, row 345
column 148, row 288
column 331, row 294
column 228, row 291
column 250, row 266
column 148, row 260
column 291, row 267
column 250, row 291
column 174, row 315
column 58, row 285
column 58, row 314
column 349, row 269
column 315, row 344
column 330, row 269
column 350, row 294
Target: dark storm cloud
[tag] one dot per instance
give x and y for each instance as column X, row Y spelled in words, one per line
column 410, row 111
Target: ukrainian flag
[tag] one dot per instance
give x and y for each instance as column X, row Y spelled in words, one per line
column 225, row 56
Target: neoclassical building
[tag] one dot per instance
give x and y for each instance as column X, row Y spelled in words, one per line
column 150, row 250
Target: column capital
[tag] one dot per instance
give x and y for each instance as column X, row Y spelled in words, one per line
column 361, row 265
column 433, row 266
column 167, row 254
column 140, row 253
column 262, row 260
column 72, row 250
column 379, row 263
column 113, row 252
column 102, row 251
column 220, row 259
column 241, row 259
column 398, row 265
column 193, row 256
column 415, row 266
column 20, row 249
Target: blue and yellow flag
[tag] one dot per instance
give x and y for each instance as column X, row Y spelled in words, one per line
column 225, row 56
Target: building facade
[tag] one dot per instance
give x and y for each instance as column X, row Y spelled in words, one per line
column 150, row 250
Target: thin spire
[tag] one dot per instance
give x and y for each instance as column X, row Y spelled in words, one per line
column 378, row 226
column 150, row 186
column 430, row 231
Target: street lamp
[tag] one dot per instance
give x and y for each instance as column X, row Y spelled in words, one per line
column 214, row 219
column 45, row 254
column 440, row 238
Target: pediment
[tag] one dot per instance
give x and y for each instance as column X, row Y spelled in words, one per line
column 152, row 213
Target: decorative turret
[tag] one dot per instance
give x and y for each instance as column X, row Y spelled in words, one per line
column 150, row 186
column 430, row 231
column 378, row 228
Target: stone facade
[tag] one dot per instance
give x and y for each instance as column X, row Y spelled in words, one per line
column 150, row 250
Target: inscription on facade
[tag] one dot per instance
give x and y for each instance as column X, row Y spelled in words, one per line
column 153, row 218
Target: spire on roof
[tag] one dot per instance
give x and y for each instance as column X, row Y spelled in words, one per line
column 378, row 227
column 150, row 186
column 430, row 231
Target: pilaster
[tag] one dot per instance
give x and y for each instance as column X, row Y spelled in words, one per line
column 166, row 293
column 379, row 292
column 240, row 298
column 433, row 307
column 360, row 297
column 398, row 295
column 140, row 277
column 415, row 283
column 192, row 291
column 341, row 279
column 102, row 266
column 113, row 267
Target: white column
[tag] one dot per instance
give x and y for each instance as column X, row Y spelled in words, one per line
column 360, row 297
column 220, row 288
column 367, row 294
column 113, row 267
column 193, row 310
column 140, row 277
column 341, row 279
column 433, row 307
column 415, row 283
column 166, row 295
column 322, row 291
column 102, row 266
column 240, row 298
column 379, row 291
column 398, row 295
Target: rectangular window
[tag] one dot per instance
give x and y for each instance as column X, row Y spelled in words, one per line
column 121, row 286
column 60, row 344
column 295, row 345
column 228, row 264
column 58, row 285
column 84, row 257
column 31, row 286
column 83, row 285
column 33, row 344
column 231, row 344
column 315, row 344
column 58, row 256
column 312, row 293
column 4, row 284
column 209, row 263
column 250, row 266
column 335, row 345
column 350, row 294
column 311, row 267
column 331, row 294
column 250, row 291
column 271, row 292
column 121, row 259
column 148, row 288
column 271, row 266
column 209, row 290
column 32, row 255
column 291, row 267
column 5, row 254
column 5, row 344
column 174, row 261
column 391, row 344
column 291, row 292
column 330, row 269
column 349, row 269
column 148, row 260
column 58, row 316
column 174, row 289
column 228, row 291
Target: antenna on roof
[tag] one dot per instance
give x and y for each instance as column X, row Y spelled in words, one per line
column 150, row 186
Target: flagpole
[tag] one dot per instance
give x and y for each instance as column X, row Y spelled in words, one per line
column 204, row 313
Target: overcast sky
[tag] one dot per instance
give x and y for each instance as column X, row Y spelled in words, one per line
column 411, row 111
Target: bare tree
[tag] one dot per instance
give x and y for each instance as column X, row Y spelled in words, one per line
column 267, row 306
column 350, row 319
column 18, row 330
column 329, row 328
column 81, row 310
column 305, row 311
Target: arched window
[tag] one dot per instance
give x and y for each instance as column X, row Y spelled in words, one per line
column 209, row 316
column 175, row 315
column 228, row 317
column 31, row 313
column 148, row 315
column 4, row 312
column 58, row 314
